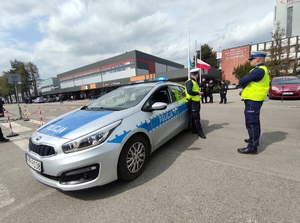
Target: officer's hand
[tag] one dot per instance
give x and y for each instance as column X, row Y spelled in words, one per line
column 201, row 93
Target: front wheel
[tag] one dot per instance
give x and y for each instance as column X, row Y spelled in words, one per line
column 133, row 158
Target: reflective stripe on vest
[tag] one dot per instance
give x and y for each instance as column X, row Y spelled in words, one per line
column 257, row 91
column 195, row 88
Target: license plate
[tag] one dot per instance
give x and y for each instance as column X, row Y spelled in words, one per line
column 287, row 93
column 34, row 164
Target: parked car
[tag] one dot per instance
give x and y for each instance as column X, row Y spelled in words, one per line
column 39, row 100
column 232, row 86
column 50, row 99
column 284, row 87
column 112, row 137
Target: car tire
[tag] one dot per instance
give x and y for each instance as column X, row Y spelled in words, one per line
column 133, row 158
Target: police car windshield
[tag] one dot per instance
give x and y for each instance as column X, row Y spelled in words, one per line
column 121, row 98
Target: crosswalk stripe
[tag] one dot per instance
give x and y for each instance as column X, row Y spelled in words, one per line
column 17, row 127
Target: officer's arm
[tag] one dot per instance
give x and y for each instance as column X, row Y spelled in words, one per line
column 256, row 75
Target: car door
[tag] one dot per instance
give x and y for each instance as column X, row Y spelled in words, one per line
column 181, row 105
column 163, row 122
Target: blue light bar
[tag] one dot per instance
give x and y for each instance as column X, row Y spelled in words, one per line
column 162, row 78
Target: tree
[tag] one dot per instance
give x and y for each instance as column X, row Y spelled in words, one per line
column 241, row 70
column 6, row 89
column 277, row 64
column 34, row 77
column 29, row 77
column 207, row 55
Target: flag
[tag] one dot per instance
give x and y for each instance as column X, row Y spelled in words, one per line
column 201, row 64
column 191, row 64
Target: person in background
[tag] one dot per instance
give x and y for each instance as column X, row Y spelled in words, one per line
column 255, row 89
column 193, row 95
column 223, row 92
column 2, row 139
column 203, row 86
column 61, row 99
column 1, row 108
column 211, row 91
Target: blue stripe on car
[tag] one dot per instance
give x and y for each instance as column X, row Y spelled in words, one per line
column 67, row 124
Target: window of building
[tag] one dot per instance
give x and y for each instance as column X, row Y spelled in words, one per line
column 289, row 22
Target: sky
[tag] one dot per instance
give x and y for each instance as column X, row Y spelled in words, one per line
column 61, row 35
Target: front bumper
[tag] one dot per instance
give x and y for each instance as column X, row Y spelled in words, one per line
column 79, row 170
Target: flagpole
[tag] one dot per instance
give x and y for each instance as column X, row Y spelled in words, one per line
column 195, row 60
column 189, row 55
column 200, row 73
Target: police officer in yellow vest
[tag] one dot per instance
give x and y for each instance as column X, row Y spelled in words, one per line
column 193, row 94
column 256, row 86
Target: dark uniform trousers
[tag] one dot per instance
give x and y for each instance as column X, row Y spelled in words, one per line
column 252, row 120
column 195, row 116
column 223, row 97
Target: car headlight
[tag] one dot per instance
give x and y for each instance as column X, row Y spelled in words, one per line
column 90, row 140
column 275, row 88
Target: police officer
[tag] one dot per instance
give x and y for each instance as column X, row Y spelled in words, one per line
column 211, row 91
column 256, row 86
column 203, row 86
column 193, row 95
column 223, row 92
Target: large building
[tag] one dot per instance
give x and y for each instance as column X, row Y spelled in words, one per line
column 287, row 12
column 98, row 78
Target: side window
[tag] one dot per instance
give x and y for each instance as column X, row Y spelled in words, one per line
column 160, row 95
column 177, row 92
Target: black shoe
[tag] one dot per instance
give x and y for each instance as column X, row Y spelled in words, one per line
column 201, row 135
column 247, row 141
column 247, row 151
column 220, row 102
column 4, row 140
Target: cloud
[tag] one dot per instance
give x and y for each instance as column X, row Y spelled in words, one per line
column 60, row 35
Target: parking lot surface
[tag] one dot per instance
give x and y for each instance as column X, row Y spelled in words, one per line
column 188, row 179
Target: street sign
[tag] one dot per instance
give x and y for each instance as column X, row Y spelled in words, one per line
column 14, row 78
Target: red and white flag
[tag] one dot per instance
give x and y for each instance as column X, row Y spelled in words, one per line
column 202, row 65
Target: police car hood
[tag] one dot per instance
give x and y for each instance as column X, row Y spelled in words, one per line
column 80, row 122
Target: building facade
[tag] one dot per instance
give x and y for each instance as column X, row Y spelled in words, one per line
column 94, row 80
column 233, row 57
column 287, row 12
column 48, row 84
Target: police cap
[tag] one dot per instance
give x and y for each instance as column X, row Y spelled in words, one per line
column 194, row 71
column 258, row 54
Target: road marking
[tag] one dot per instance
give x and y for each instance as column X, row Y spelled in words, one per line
column 16, row 127
column 27, row 202
column 5, row 199
column 19, row 140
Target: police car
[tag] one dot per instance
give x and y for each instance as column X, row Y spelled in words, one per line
column 109, row 139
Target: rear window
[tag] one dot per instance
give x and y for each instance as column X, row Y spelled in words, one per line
column 286, row 80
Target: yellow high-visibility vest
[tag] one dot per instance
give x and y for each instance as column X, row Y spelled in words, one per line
column 195, row 88
column 257, row 91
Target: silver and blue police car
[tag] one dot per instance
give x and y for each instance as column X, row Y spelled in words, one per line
column 109, row 139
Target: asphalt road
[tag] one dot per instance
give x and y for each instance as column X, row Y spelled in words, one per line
column 189, row 179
